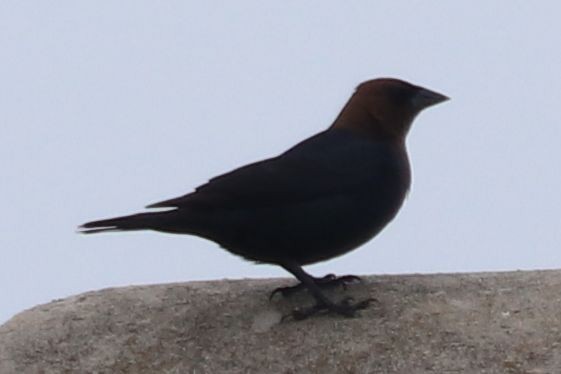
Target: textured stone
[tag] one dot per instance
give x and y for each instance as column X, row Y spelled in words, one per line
column 443, row 323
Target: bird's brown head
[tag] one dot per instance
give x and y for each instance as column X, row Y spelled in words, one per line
column 384, row 108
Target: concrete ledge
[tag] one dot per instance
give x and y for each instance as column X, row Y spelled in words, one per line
column 444, row 323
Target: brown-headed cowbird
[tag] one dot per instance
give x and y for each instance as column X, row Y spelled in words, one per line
column 320, row 199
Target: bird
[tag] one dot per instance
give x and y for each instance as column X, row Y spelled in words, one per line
column 320, row 199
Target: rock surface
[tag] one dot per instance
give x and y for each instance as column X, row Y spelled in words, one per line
column 444, row 323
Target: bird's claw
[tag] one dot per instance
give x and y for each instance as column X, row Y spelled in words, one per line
column 328, row 281
column 286, row 291
column 344, row 280
column 345, row 308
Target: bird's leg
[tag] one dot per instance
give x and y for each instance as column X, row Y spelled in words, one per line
column 323, row 304
column 328, row 281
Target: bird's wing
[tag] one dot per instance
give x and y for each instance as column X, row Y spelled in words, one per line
column 312, row 169
column 268, row 182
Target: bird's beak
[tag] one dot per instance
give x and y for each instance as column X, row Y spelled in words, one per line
column 425, row 98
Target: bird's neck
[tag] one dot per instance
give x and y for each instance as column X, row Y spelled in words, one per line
column 358, row 119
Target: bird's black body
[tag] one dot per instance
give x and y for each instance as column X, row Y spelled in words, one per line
column 320, row 199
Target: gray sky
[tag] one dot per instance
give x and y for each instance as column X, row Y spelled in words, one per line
column 109, row 106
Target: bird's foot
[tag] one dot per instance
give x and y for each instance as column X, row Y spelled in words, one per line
column 328, row 281
column 345, row 308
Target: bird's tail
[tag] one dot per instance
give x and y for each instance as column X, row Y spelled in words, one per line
column 140, row 221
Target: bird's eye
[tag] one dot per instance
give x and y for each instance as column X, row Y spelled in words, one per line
column 399, row 96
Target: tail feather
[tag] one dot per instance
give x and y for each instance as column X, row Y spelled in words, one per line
column 82, row 230
column 140, row 221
